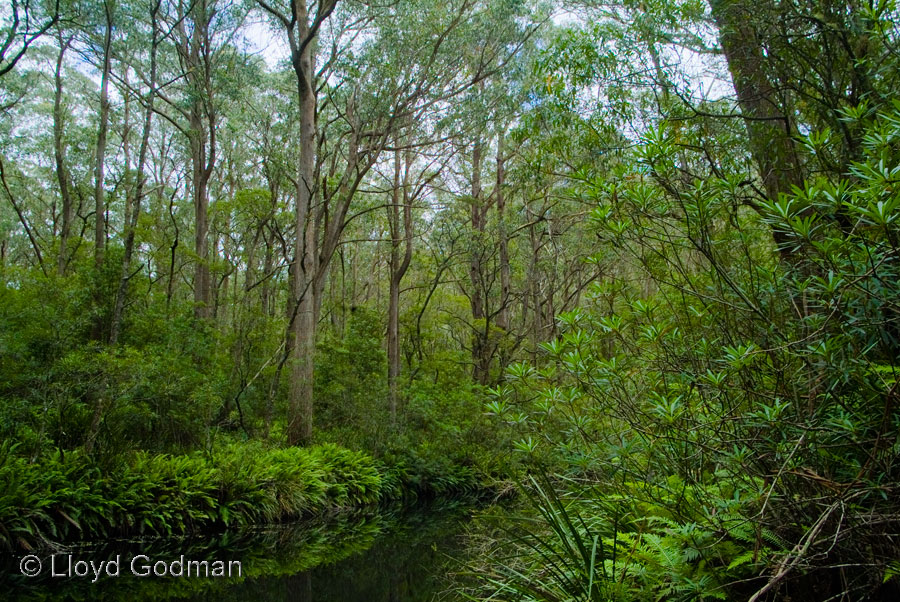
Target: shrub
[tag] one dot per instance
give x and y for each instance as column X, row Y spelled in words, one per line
column 739, row 416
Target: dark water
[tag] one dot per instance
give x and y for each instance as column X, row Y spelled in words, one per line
column 386, row 558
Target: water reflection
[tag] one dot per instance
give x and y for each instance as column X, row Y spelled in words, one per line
column 387, row 558
column 407, row 563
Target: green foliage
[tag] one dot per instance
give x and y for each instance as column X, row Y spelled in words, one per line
column 351, row 382
column 56, row 499
column 735, row 415
column 169, row 385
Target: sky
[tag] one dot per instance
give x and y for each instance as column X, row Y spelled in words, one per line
column 264, row 41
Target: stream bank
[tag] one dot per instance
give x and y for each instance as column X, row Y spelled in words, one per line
column 47, row 504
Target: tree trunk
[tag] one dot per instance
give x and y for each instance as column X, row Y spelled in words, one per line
column 398, row 269
column 768, row 127
column 268, row 263
column 300, row 401
column 201, row 225
column 133, row 200
column 503, row 315
column 477, row 297
column 537, row 324
column 503, row 240
column 196, row 52
column 99, row 164
column 59, row 149
column 170, row 284
column 318, row 231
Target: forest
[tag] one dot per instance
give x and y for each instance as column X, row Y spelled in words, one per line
column 625, row 272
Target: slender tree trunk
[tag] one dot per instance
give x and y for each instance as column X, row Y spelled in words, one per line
column 22, row 220
column 220, row 289
column 269, row 240
column 196, row 52
column 393, row 328
column 100, row 219
column 537, row 324
column 477, row 300
column 503, row 314
column 170, row 284
column 503, row 240
column 268, row 264
column 201, row 210
column 398, row 269
column 133, row 200
column 99, row 163
column 59, row 148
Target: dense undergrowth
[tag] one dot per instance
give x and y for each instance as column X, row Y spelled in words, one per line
column 726, row 428
column 61, row 499
column 167, row 434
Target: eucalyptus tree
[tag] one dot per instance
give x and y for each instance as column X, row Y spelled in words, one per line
column 105, row 51
column 271, row 130
column 194, row 42
column 148, row 18
column 425, row 147
column 52, row 88
column 200, row 34
column 59, row 151
column 567, row 128
column 26, row 238
column 301, row 28
column 415, row 171
column 22, row 24
column 478, row 123
column 504, row 124
column 364, row 104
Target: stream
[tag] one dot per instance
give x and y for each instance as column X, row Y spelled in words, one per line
column 384, row 558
